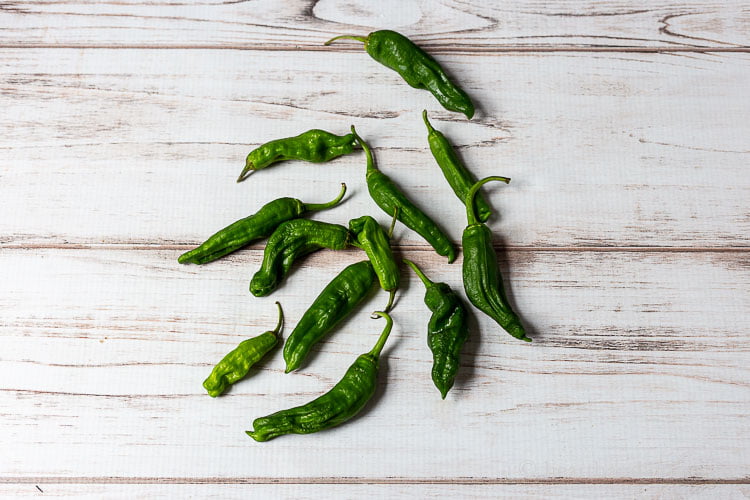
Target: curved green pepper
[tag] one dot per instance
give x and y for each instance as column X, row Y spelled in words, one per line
column 235, row 365
column 334, row 407
column 315, row 146
column 337, row 300
column 389, row 198
column 291, row 240
column 371, row 238
column 482, row 280
column 415, row 66
column 254, row 227
column 457, row 175
column 446, row 332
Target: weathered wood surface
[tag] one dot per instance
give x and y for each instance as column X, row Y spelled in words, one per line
column 143, row 146
column 386, row 491
column 440, row 26
column 637, row 357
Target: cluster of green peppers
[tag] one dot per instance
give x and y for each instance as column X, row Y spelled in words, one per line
column 291, row 237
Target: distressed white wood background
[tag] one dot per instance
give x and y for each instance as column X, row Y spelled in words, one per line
column 623, row 238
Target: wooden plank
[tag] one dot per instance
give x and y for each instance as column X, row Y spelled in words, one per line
column 637, row 357
column 143, row 146
column 397, row 491
column 440, row 26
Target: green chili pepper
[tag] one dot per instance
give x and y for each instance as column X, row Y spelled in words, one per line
column 446, row 332
column 457, row 175
column 389, row 198
column 257, row 226
column 337, row 300
column 482, row 280
column 415, row 66
column 335, row 407
column 235, row 365
column 315, row 146
column 291, row 240
column 371, row 238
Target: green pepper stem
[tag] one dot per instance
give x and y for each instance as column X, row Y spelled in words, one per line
column 384, row 335
column 430, row 129
column 471, row 210
column 366, row 148
column 393, row 223
column 362, row 39
column 322, row 206
column 280, row 321
column 246, row 172
column 427, row 282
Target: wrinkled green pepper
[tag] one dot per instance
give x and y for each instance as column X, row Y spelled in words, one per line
column 333, row 408
column 482, row 280
column 457, row 175
column 371, row 238
column 314, row 146
column 252, row 228
column 290, row 241
column 446, row 331
column 337, row 300
column 391, row 200
column 415, row 66
column 235, row 365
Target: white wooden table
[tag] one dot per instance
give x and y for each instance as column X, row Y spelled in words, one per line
column 623, row 238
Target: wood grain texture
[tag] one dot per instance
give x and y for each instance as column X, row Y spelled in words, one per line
column 142, row 146
column 440, row 26
column 104, row 352
column 397, row 491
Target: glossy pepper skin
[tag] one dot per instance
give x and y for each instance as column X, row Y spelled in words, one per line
column 371, row 238
column 482, row 280
column 235, row 365
column 446, row 332
column 457, row 175
column 389, row 198
column 252, row 228
column 315, row 146
column 336, row 406
column 291, row 240
column 415, row 66
column 337, row 300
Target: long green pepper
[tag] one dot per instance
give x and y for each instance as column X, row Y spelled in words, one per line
column 371, row 238
column 446, row 331
column 482, row 280
column 252, row 228
column 415, row 66
column 457, row 175
column 235, row 365
column 315, row 146
column 391, row 200
column 290, row 241
column 337, row 300
column 336, row 406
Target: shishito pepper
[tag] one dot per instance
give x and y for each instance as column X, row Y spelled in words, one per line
column 252, row 228
column 337, row 300
column 415, row 66
column 457, row 175
column 235, row 365
column 446, row 331
column 371, row 238
column 482, row 280
column 392, row 200
column 292, row 240
column 336, row 406
column 315, row 146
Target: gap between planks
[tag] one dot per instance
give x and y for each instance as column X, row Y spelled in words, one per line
column 510, row 49
column 363, row 480
column 410, row 248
